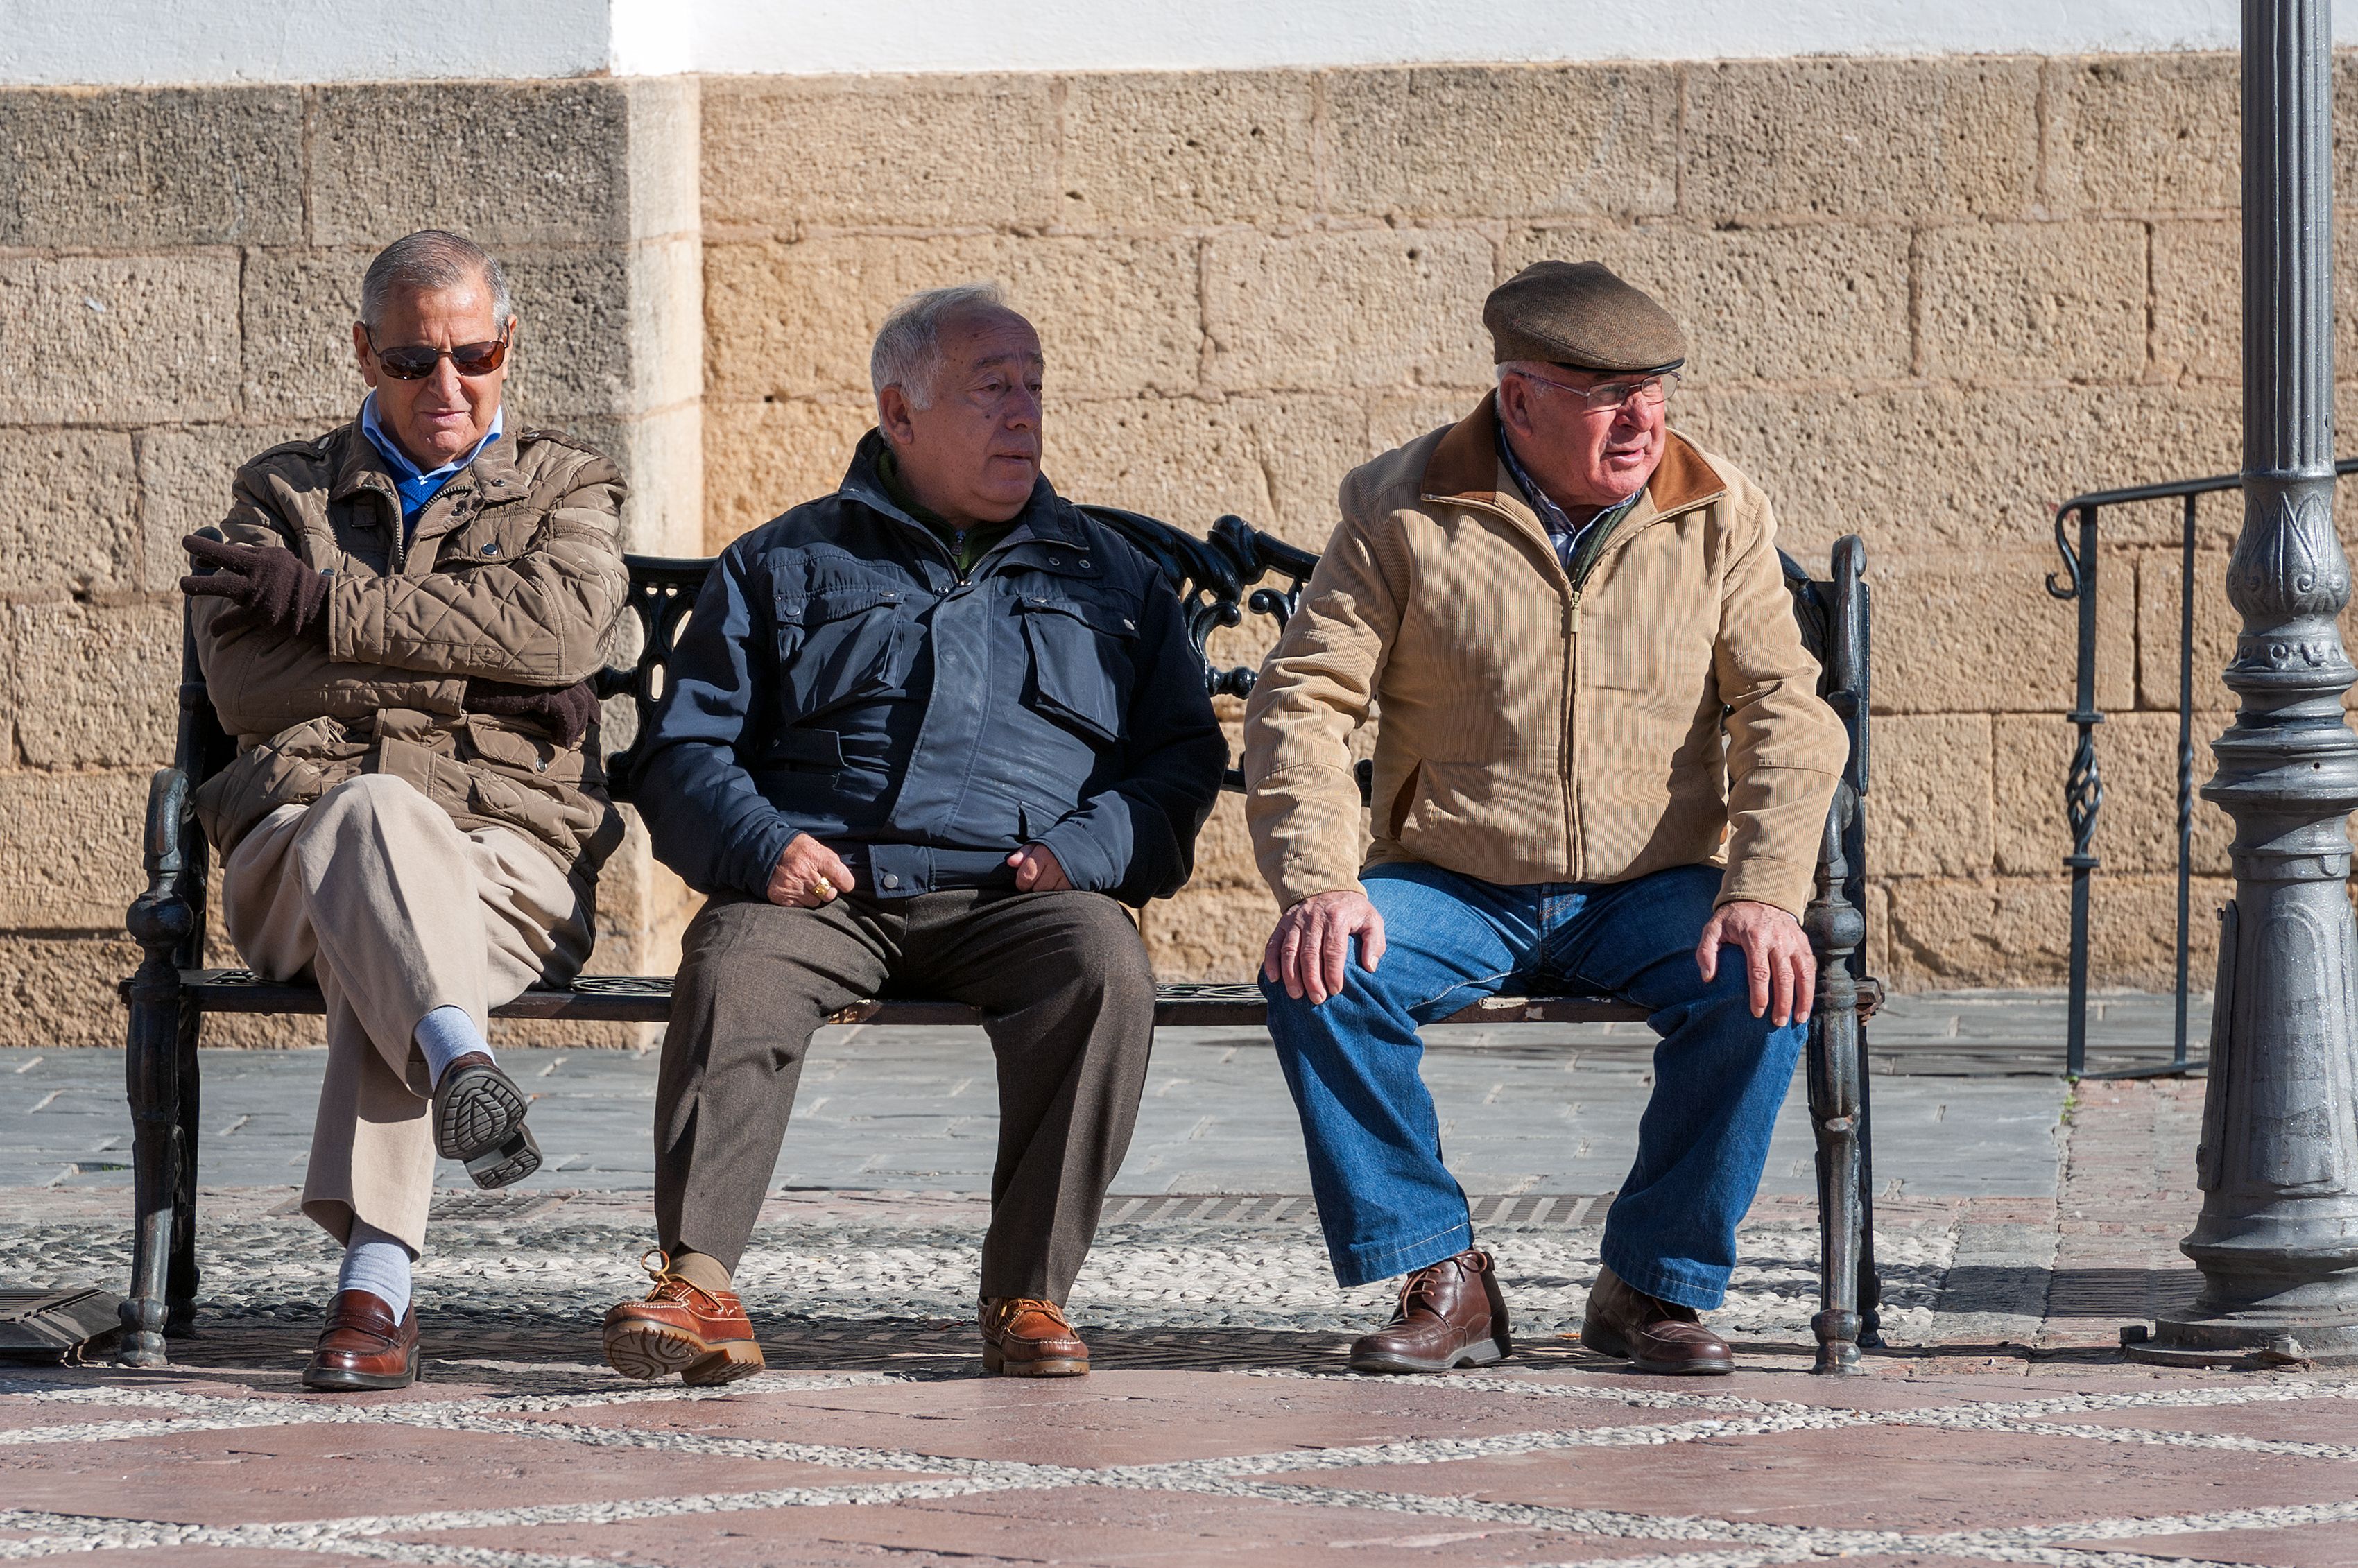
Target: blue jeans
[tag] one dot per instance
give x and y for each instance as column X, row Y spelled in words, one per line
column 1387, row 1203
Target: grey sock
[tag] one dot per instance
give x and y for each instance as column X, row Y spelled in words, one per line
column 379, row 1264
column 446, row 1034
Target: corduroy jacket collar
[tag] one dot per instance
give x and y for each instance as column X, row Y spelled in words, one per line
column 1464, row 469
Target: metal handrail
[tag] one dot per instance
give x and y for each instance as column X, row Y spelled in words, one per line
column 2083, row 789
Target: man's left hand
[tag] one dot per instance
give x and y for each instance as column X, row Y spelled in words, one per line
column 270, row 586
column 1777, row 957
column 1037, row 870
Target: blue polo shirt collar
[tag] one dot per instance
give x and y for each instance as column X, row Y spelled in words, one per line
column 419, row 486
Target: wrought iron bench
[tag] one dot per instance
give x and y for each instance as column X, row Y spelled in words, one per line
column 1237, row 569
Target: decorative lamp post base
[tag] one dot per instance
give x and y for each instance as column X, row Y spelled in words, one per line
column 2250, row 1340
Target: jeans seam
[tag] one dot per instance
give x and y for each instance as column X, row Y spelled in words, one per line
column 1460, row 985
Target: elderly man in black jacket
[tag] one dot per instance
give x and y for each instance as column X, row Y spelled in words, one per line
column 927, row 733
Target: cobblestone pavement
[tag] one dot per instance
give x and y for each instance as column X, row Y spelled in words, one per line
column 2021, row 1225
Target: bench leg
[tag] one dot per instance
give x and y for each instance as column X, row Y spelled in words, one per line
column 1837, row 1109
column 1870, row 1283
column 161, row 921
column 180, row 1280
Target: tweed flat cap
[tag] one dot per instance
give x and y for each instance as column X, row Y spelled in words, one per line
column 1579, row 313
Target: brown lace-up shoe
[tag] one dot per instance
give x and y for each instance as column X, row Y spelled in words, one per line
column 703, row 1336
column 1652, row 1336
column 363, row 1347
column 1451, row 1315
column 1026, row 1338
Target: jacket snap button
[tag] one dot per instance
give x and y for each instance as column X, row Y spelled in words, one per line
column 1054, row 561
column 892, row 879
column 493, row 548
column 1085, row 564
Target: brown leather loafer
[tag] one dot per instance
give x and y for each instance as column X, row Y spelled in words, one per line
column 1451, row 1315
column 363, row 1347
column 1652, row 1335
column 703, row 1336
column 1026, row 1338
column 479, row 1120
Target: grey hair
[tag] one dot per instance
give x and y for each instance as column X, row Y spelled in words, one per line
column 908, row 351
column 429, row 260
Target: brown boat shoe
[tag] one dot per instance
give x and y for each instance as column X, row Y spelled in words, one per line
column 1024, row 1338
column 1451, row 1315
column 1652, row 1336
column 704, row 1335
column 362, row 1346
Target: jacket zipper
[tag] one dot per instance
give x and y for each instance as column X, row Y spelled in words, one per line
column 1585, row 562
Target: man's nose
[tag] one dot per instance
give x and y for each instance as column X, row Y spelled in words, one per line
column 447, row 384
column 1023, row 411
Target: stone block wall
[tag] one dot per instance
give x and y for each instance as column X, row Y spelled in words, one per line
column 178, row 272
column 1928, row 300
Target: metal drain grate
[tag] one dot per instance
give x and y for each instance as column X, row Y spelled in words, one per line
column 457, row 1204
column 1271, row 1208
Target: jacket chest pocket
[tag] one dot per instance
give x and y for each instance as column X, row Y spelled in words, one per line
column 492, row 536
column 1080, row 653
column 839, row 645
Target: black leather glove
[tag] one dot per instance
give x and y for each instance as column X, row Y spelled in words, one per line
column 270, row 587
column 567, row 710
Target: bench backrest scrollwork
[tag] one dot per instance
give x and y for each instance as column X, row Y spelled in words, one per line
column 1218, row 578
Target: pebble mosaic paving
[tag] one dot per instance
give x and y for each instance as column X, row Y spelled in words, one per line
column 2020, row 1226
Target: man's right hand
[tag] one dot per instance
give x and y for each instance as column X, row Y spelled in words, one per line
column 1313, row 941
column 807, row 874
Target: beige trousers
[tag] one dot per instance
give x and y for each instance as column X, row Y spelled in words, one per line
column 373, row 892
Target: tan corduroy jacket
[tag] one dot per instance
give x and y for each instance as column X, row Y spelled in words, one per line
column 1532, row 730
column 512, row 572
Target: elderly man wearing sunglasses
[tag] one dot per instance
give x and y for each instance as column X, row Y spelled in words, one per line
column 1601, row 761
column 397, row 621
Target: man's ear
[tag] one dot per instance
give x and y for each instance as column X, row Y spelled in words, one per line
column 1514, row 405
column 361, row 355
column 893, row 415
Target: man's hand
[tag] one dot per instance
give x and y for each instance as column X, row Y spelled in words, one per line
column 1037, row 870
column 1777, row 957
column 567, row 709
column 807, row 874
column 270, row 586
column 1312, row 941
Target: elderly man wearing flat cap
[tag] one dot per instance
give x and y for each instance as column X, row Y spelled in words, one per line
column 1601, row 761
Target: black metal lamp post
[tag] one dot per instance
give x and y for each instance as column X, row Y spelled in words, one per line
column 2277, row 1240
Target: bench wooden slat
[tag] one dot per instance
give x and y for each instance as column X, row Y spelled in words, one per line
column 646, row 999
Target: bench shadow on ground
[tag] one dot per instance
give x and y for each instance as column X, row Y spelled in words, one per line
column 933, row 1348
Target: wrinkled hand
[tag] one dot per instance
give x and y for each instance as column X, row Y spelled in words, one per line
column 1312, row 941
column 1037, row 870
column 568, row 710
column 795, row 881
column 1777, row 957
column 270, row 586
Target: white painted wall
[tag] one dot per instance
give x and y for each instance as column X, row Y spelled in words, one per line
column 131, row 41
column 128, row 41
column 792, row 36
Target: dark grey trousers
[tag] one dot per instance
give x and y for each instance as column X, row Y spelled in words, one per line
column 1064, row 979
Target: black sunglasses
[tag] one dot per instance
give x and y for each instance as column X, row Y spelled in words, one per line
column 417, row 362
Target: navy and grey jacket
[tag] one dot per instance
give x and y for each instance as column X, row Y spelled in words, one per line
column 839, row 678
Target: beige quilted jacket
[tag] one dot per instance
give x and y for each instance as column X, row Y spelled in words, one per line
column 1662, row 712
column 512, row 572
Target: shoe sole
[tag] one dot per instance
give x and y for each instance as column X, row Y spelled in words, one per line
column 482, row 1112
column 509, row 1163
column 994, row 1361
column 1481, row 1353
column 330, row 1381
column 1607, row 1343
column 647, row 1351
